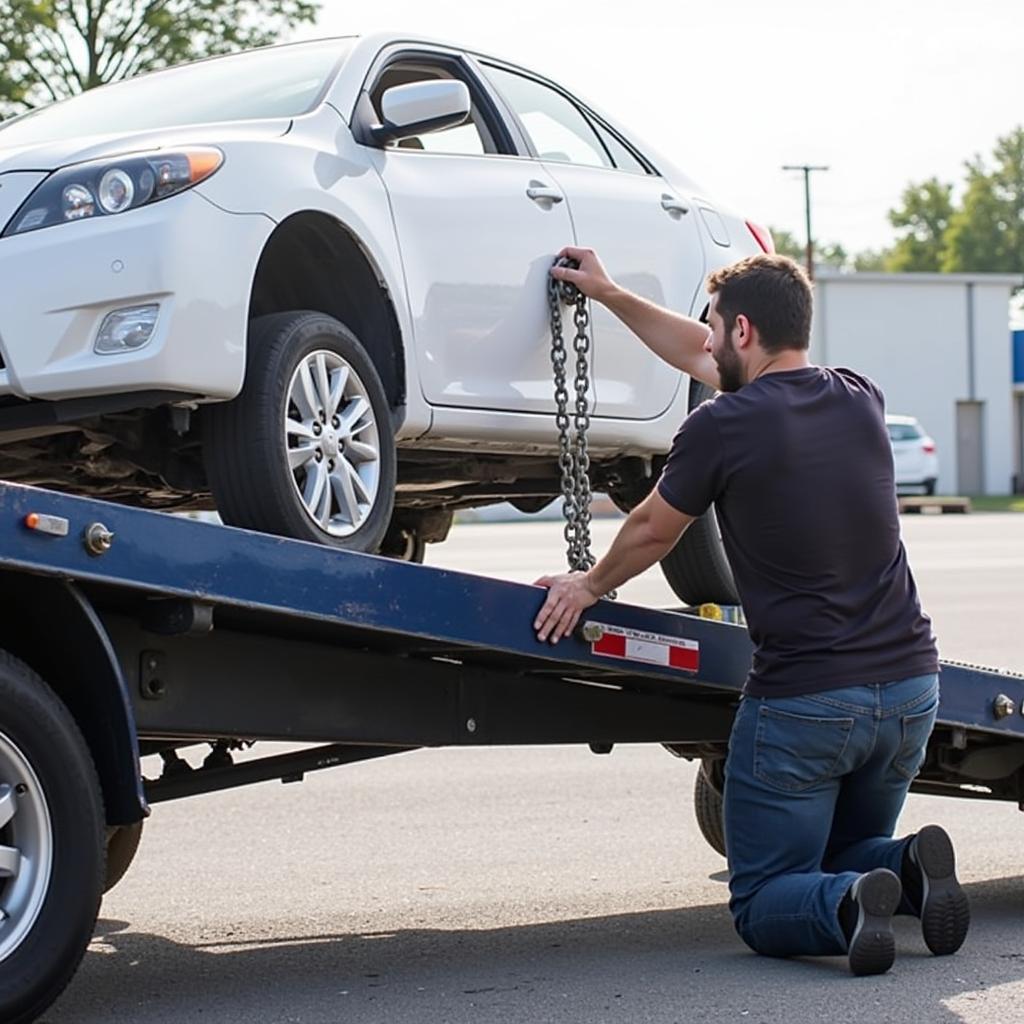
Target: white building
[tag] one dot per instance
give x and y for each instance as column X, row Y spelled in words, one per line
column 939, row 346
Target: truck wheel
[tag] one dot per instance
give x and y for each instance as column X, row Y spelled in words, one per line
column 51, row 844
column 707, row 804
column 306, row 450
column 122, row 845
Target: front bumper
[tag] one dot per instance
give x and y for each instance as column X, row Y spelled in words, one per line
column 57, row 284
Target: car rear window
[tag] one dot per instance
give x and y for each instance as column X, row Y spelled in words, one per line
column 279, row 81
column 904, row 431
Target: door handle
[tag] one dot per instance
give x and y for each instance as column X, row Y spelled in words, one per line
column 541, row 193
column 672, row 205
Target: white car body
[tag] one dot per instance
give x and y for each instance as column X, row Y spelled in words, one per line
column 914, row 457
column 436, row 256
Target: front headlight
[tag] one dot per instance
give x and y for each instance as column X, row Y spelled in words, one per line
column 102, row 188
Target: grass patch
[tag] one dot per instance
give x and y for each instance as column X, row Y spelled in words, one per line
column 998, row 503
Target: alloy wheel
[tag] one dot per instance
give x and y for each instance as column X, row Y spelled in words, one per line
column 333, row 443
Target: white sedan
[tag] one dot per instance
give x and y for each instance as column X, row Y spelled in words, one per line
column 913, row 453
column 306, row 286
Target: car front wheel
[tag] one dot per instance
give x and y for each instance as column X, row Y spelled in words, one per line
column 306, row 450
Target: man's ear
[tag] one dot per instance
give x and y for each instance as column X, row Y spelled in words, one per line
column 744, row 332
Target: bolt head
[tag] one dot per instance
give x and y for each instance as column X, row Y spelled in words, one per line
column 317, row 429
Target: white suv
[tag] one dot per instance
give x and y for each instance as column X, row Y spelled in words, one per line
column 306, row 285
column 913, row 453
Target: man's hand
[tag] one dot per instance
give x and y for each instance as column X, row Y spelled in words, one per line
column 568, row 594
column 591, row 279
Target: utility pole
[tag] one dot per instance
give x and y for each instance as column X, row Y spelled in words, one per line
column 807, row 168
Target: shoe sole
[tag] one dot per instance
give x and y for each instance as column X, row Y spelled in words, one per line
column 945, row 911
column 873, row 946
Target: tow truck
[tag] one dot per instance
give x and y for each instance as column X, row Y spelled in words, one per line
column 127, row 634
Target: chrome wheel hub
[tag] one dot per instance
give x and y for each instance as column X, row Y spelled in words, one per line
column 333, row 443
column 26, row 847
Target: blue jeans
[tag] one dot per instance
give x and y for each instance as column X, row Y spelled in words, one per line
column 813, row 788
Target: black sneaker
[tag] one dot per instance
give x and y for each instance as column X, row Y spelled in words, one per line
column 945, row 912
column 875, row 897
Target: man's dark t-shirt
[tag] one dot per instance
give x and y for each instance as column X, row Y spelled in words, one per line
column 799, row 466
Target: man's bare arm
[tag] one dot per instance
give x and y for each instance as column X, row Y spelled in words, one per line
column 648, row 534
column 677, row 339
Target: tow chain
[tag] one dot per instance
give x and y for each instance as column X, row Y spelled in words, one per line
column 573, row 458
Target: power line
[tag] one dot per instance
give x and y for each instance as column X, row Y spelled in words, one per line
column 807, row 168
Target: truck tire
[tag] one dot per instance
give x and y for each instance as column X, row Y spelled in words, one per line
column 51, row 844
column 306, row 450
column 707, row 805
column 122, row 845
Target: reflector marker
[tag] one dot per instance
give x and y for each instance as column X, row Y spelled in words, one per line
column 55, row 526
column 637, row 645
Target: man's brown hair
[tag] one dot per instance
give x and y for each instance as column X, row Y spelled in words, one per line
column 773, row 293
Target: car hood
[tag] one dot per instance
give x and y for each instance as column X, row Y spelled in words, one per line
column 49, row 156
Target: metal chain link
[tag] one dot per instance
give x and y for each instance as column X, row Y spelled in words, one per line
column 573, row 457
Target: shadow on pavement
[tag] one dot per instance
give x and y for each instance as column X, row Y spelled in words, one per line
column 685, row 965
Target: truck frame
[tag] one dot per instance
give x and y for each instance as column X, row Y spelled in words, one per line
column 128, row 634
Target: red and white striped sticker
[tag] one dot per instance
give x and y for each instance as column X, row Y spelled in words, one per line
column 652, row 648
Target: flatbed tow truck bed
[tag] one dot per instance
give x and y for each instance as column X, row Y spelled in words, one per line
column 126, row 633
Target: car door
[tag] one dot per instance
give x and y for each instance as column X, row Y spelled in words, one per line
column 644, row 232
column 477, row 227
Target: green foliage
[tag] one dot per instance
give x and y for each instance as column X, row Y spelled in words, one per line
column 983, row 233
column 831, row 254
column 51, row 49
column 922, row 222
column 987, row 232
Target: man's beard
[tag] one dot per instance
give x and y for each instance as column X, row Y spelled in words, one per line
column 730, row 371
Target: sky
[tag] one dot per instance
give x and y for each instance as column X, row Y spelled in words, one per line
column 883, row 93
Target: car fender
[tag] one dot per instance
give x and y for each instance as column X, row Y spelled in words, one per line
column 297, row 173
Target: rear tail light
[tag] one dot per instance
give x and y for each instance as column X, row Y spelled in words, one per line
column 928, row 446
column 762, row 236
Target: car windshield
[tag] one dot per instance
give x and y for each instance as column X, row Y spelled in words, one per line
column 904, row 431
column 280, row 81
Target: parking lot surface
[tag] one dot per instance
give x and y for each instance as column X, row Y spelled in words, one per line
column 536, row 884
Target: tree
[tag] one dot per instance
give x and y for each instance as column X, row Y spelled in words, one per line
column 921, row 221
column 830, row 254
column 987, row 232
column 51, row 49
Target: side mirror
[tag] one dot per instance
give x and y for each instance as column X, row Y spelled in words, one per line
column 421, row 107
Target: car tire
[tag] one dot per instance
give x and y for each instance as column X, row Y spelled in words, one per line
column 708, row 806
column 696, row 569
column 52, row 827
column 277, row 464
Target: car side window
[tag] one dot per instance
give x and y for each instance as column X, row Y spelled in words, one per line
column 903, row 431
column 624, row 158
column 557, row 128
column 471, row 138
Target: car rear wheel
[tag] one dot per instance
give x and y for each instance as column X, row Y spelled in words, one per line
column 696, row 569
column 306, row 450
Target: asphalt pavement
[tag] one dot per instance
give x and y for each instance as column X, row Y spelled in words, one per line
column 536, row 884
